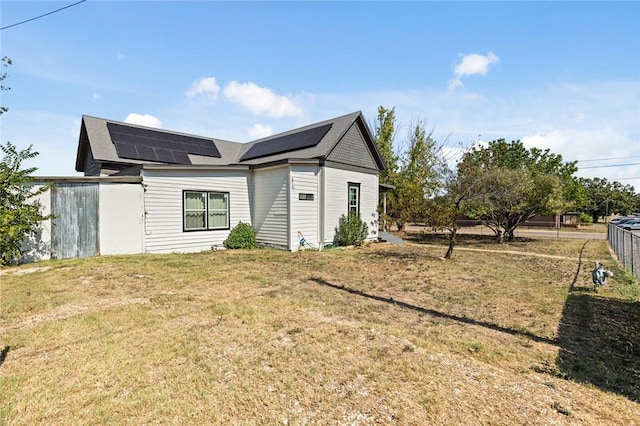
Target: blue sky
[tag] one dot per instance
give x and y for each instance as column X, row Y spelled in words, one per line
column 558, row 75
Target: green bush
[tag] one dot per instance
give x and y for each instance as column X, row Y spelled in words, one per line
column 242, row 236
column 351, row 231
column 585, row 218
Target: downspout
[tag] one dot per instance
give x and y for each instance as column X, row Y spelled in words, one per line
column 289, row 221
column 143, row 187
column 321, row 239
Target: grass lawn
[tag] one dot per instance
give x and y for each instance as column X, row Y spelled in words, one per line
column 501, row 335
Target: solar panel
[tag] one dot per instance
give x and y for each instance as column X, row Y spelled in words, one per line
column 165, row 155
column 126, row 150
column 163, row 147
column 291, row 142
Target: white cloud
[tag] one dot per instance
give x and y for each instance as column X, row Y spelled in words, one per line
column 261, row 101
column 143, row 120
column 95, row 97
column 472, row 64
column 205, row 87
column 608, row 146
column 258, row 131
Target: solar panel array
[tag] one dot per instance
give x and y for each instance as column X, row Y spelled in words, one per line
column 299, row 140
column 153, row 145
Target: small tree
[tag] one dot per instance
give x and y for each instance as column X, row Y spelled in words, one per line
column 456, row 189
column 20, row 212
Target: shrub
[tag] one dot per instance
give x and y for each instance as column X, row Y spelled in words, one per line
column 585, row 218
column 351, row 231
column 242, row 236
column 20, row 211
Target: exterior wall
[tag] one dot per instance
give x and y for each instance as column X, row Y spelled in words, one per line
column 353, row 150
column 163, row 207
column 336, row 202
column 38, row 247
column 75, row 225
column 92, row 167
column 305, row 214
column 271, row 206
column 121, row 215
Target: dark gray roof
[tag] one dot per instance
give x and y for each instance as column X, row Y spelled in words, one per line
column 314, row 141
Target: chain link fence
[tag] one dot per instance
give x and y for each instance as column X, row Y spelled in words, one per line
column 626, row 245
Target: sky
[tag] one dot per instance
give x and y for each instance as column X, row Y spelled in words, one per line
column 563, row 76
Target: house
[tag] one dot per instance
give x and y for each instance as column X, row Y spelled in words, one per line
column 147, row 190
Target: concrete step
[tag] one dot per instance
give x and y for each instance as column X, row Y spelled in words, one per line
column 388, row 237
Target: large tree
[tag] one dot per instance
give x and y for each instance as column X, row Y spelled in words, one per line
column 20, row 212
column 385, row 135
column 514, row 184
column 417, row 177
column 603, row 198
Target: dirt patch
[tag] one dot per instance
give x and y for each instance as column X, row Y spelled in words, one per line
column 68, row 311
column 24, row 271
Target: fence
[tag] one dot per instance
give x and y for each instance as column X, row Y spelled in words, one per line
column 626, row 245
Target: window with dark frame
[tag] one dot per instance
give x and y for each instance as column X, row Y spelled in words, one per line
column 305, row 197
column 354, row 198
column 205, row 210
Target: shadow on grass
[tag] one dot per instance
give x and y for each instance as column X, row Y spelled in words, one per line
column 3, row 354
column 462, row 240
column 599, row 342
column 435, row 313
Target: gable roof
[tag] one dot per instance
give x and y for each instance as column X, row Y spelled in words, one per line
column 117, row 142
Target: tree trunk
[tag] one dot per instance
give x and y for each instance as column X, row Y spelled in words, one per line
column 452, row 242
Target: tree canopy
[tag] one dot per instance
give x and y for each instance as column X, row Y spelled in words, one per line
column 514, row 184
column 20, row 212
column 603, row 198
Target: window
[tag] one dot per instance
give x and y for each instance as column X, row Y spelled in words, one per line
column 305, row 197
column 354, row 198
column 205, row 210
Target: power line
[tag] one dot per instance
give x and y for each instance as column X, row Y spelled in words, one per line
column 610, row 165
column 41, row 16
column 607, row 159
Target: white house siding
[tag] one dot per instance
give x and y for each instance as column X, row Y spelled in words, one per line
column 304, row 213
column 121, row 216
column 163, row 207
column 271, row 206
column 335, row 182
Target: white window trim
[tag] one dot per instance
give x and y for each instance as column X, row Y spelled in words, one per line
column 355, row 186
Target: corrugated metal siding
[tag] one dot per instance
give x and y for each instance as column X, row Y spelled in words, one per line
column 74, row 232
column 271, row 208
column 336, row 182
column 163, row 208
column 352, row 150
column 304, row 213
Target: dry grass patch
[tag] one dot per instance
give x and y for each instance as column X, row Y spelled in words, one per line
column 378, row 335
